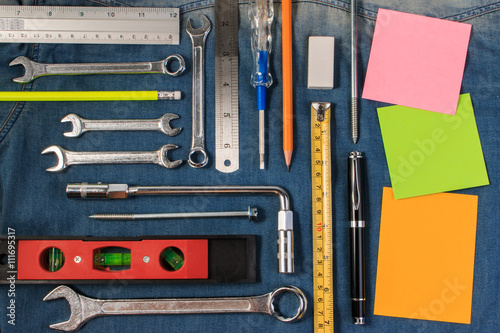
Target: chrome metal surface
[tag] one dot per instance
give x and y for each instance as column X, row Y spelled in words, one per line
column 82, row 125
column 85, row 308
column 67, row 158
column 35, row 69
column 198, row 156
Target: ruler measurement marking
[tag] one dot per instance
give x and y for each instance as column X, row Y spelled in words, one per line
column 226, row 86
column 322, row 223
column 96, row 25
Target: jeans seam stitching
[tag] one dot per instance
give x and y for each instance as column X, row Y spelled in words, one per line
column 18, row 107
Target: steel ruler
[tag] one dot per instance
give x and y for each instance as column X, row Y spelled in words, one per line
column 322, row 217
column 89, row 25
column 226, row 86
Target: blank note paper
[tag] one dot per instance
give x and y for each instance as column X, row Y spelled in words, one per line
column 417, row 61
column 426, row 257
column 429, row 152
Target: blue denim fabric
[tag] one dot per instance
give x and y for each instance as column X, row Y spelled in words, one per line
column 33, row 201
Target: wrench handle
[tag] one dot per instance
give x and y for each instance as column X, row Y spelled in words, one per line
column 253, row 304
column 103, row 68
column 122, row 125
column 184, row 306
column 132, row 157
column 198, row 122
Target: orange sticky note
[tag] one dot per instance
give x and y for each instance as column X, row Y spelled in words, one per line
column 426, row 257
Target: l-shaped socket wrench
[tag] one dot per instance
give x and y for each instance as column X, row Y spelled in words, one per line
column 123, row 191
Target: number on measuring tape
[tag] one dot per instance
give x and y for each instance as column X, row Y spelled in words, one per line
column 322, row 217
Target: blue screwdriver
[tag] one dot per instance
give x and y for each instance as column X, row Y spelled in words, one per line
column 261, row 14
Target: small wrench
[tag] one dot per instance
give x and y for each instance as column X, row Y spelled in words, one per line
column 82, row 125
column 34, row 69
column 85, row 308
column 67, row 158
column 198, row 37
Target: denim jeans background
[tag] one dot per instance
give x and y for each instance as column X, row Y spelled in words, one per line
column 33, row 201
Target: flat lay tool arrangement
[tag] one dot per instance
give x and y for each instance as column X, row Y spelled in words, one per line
column 344, row 250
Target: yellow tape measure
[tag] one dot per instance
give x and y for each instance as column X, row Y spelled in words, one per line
column 322, row 217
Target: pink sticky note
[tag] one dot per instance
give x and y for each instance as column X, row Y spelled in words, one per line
column 417, row 61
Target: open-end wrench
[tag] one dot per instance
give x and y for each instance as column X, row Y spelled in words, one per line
column 82, row 125
column 84, row 308
column 34, row 69
column 67, row 158
column 198, row 37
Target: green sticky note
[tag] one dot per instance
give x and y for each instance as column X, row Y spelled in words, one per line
column 429, row 152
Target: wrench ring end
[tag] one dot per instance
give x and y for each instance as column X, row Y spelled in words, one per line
column 172, row 58
column 301, row 310
column 196, row 151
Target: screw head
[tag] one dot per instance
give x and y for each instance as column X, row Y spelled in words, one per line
column 78, row 259
column 146, row 259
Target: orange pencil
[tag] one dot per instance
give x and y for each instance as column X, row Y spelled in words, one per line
column 286, row 33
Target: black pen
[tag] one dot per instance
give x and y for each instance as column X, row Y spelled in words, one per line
column 357, row 235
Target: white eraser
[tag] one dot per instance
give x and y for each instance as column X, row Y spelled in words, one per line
column 177, row 95
column 320, row 62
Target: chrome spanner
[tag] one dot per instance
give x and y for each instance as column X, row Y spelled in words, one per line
column 82, row 125
column 198, row 37
column 85, row 308
column 34, row 69
column 67, row 158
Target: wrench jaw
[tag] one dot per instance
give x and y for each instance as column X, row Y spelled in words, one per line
column 29, row 71
column 77, row 123
column 62, row 161
column 165, row 124
column 199, row 32
column 76, row 317
column 163, row 159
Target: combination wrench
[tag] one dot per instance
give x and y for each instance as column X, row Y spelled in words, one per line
column 85, row 308
column 67, row 158
column 34, row 69
column 82, row 125
column 198, row 37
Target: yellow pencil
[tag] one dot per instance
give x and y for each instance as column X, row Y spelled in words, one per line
column 50, row 96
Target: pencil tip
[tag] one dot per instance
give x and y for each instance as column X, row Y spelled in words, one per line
column 288, row 159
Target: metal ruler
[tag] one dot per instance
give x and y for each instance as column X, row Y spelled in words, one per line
column 89, row 25
column 322, row 217
column 226, row 86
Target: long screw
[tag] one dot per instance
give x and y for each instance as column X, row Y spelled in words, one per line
column 354, row 74
column 251, row 213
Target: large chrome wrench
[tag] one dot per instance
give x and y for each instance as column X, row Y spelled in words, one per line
column 84, row 308
column 67, row 158
column 34, row 69
column 198, row 37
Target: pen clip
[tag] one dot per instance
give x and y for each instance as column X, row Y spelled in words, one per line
column 355, row 181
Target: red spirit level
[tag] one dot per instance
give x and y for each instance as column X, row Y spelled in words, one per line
column 143, row 259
